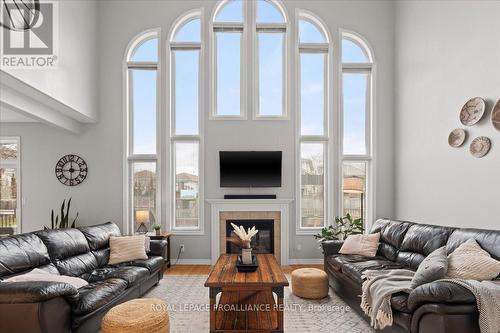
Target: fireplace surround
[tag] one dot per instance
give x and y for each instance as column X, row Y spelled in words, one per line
column 278, row 210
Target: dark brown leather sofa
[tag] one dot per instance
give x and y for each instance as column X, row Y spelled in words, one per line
column 437, row 307
column 55, row 307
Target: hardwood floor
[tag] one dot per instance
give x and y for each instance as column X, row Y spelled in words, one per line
column 205, row 269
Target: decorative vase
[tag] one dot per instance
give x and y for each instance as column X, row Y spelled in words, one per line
column 158, row 232
column 246, row 256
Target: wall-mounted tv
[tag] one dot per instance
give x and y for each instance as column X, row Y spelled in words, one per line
column 250, row 168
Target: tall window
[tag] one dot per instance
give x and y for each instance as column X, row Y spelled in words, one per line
column 185, row 83
column 356, row 150
column 234, row 50
column 313, row 54
column 142, row 202
column 10, row 186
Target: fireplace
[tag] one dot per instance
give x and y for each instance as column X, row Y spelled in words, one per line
column 263, row 242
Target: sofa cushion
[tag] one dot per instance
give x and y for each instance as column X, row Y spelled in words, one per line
column 64, row 243
column 354, row 270
column 97, row 294
column 419, row 241
column 365, row 245
column 489, row 240
column 336, row 261
column 391, row 236
column 98, row 235
column 77, row 265
column 153, row 263
column 131, row 275
column 434, row 267
column 20, row 253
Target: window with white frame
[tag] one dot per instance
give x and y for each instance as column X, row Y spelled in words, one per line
column 10, row 185
column 266, row 47
column 356, row 152
column 185, row 114
column 313, row 137
column 142, row 170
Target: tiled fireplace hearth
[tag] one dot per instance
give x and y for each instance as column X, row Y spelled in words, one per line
column 258, row 212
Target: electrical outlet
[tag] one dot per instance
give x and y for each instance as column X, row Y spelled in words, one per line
column 182, row 247
column 299, row 247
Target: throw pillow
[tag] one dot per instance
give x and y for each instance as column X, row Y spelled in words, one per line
column 365, row 245
column 470, row 261
column 127, row 248
column 39, row 275
column 432, row 268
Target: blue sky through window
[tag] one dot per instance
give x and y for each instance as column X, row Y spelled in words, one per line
column 186, row 92
column 309, row 33
column 355, row 85
column 352, row 52
column 147, row 51
column 144, row 106
column 312, row 93
column 228, row 73
column 189, row 32
column 232, row 11
column 268, row 13
column 271, row 74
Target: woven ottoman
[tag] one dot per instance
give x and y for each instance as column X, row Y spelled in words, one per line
column 311, row 283
column 143, row 315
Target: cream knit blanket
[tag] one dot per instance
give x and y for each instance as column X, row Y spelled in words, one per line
column 379, row 286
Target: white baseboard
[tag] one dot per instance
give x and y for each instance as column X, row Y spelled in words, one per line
column 208, row 262
column 305, row 261
column 193, row 262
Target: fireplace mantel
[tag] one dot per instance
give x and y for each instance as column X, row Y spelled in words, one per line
column 263, row 205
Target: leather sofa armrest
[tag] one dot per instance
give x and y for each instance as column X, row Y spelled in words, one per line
column 331, row 247
column 439, row 292
column 36, row 291
column 157, row 247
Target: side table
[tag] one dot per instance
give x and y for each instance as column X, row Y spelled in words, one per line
column 164, row 235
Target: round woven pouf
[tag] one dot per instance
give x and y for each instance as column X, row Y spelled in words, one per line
column 143, row 315
column 311, row 283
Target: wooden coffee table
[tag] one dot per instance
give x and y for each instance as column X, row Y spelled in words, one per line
column 247, row 302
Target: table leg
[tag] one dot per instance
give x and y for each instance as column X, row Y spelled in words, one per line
column 279, row 291
column 213, row 295
column 168, row 252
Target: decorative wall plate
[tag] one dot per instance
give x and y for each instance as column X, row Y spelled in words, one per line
column 480, row 146
column 457, row 137
column 472, row 111
column 495, row 115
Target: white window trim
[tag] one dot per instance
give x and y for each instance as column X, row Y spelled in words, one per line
column 241, row 27
column 15, row 164
column 369, row 158
column 286, row 67
column 172, row 138
column 329, row 163
column 129, row 158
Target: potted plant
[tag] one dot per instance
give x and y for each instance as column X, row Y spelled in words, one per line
column 62, row 221
column 243, row 240
column 343, row 227
column 157, row 228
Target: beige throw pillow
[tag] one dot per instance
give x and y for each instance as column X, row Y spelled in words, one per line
column 365, row 245
column 40, row 275
column 470, row 261
column 127, row 248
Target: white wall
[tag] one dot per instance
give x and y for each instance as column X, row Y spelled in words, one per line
column 447, row 52
column 99, row 198
column 73, row 81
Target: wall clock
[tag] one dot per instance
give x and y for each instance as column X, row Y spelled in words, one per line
column 71, row 170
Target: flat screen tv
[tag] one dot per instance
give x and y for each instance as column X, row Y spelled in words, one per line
column 250, row 168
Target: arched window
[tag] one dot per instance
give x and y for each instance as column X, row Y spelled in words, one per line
column 314, row 133
column 185, row 42
column 356, row 150
column 141, row 171
column 236, row 50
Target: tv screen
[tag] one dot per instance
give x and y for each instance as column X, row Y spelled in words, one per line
column 250, row 168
